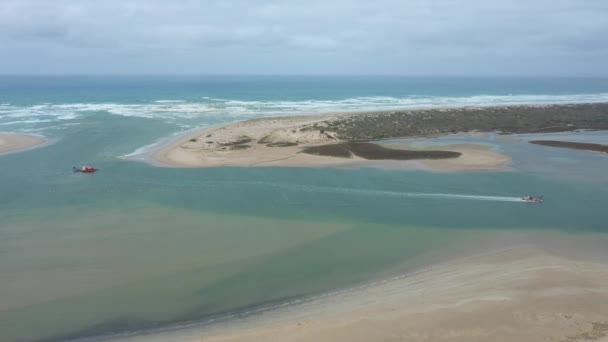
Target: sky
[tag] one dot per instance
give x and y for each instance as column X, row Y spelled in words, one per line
column 396, row 37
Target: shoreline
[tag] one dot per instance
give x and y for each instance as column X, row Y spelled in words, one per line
column 527, row 279
column 17, row 142
column 535, row 295
column 284, row 141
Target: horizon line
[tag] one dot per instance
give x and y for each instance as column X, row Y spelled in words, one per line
column 293, row 75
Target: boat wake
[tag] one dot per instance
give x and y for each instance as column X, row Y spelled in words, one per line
column 368, row 192
column 286, row 187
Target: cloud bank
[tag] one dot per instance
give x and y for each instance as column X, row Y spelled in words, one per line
column 416, row 37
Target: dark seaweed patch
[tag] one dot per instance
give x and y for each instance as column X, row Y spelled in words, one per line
column 572, row 145
column 376, row 152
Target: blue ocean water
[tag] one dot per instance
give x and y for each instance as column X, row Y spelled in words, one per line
column 137, row 247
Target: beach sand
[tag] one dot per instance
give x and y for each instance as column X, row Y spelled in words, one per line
column 13, row 142
column 280, row 142
column 524, row 293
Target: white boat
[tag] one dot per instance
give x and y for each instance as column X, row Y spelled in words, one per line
column 532, row 199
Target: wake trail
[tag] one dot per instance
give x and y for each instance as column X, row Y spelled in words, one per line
column 368, row 192
column 333, row 190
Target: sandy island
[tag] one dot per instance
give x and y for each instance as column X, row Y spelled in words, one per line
column 13, row 142
column 355, row 139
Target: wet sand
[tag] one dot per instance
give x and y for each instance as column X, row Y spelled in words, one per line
column 524, row 293
column 572, row 145
column 13, row 142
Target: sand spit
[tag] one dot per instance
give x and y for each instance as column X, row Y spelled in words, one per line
column 281, row 141
column 13, row 142
column 572, row 145
column 258, row 142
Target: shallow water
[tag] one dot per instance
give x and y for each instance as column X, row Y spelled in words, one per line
column 135, row 246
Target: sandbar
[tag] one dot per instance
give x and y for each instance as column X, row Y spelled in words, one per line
column 14, row 142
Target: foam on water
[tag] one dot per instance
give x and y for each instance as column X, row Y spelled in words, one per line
column 20, row 122
column 140, row 153
column 143, row 152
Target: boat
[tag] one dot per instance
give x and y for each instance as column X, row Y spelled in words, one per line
column 85, row 169
column 532, row 199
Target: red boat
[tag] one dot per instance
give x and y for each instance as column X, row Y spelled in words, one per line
column 531, row 199
column 85, row 169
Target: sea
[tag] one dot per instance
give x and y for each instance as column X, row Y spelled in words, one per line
column 139, row 249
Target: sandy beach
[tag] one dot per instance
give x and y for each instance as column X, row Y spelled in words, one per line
column 524, row 293
column 13, row 142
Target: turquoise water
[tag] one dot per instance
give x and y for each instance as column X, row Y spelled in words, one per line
column 136, row 247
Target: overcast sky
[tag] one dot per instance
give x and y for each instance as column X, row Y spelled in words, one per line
column 407, row 37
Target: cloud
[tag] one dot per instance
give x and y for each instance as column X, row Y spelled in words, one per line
column 297, row 36
column 314, row 42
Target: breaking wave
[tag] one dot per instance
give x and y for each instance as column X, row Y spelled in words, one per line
column 194, row 112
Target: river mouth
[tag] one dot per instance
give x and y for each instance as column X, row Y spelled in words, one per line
column 136, row 247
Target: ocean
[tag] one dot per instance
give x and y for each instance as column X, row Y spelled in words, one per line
column 136, row 247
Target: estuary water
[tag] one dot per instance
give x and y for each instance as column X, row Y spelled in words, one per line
column 137, row 247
